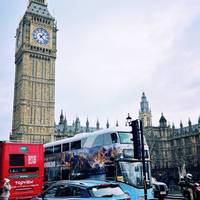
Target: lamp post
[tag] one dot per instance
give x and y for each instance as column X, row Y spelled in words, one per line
column 138, row 146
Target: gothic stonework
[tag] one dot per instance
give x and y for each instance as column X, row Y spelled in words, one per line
column 171, row 149
column 63, row 129
column 34, row 90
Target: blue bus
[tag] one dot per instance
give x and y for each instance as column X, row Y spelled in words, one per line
column 101, row 155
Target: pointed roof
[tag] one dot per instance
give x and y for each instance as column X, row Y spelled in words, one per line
column 117, row 124
column 181, row 124
column 199, row 121
column 144, row 104
column 162, row 119
column 189, row 122
column 65, row 119
column 87, row 123
column 38, row 7
column 107, row 124
column 61, row 117
column 97, row 124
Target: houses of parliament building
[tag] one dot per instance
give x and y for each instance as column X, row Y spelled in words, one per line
column 171, row 148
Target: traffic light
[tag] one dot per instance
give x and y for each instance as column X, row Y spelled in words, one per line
column 135, row 124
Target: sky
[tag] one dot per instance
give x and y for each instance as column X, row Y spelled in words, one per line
column 108, row 53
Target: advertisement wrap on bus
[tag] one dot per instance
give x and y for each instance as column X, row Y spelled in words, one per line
column 101, row 155
column 23, row 164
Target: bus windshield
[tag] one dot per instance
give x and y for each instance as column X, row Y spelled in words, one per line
column 132, row 173
column 125, row 137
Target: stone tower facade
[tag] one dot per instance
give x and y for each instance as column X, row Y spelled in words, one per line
column 34, row 89
column 145, row 112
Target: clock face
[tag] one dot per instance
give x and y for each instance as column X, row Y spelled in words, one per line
column 41, row 35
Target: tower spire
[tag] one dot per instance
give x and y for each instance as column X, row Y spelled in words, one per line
column 117, row 124
column 163, row 121
column 199, row 122
column 190, row 125
column 87, row 125
column 145, row 112
column 181, row 124
column 97, row 124
column 61, row 117
column 107, row 124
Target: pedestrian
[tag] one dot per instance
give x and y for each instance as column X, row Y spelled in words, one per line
column 189, row 185
column 6, row 189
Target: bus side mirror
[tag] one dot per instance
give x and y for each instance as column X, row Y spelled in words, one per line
column 120, row 178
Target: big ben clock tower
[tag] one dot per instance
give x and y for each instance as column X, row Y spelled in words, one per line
column 34, row 90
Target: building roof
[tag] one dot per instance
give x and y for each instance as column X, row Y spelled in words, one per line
column 162, row 119
column 39, row 9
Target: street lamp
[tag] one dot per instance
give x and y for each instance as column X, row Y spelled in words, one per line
column 138, row 145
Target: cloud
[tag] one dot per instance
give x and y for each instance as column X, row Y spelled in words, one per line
column 109, row 52
column 119, row 52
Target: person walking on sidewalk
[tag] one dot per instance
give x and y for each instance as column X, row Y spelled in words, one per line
column 6, row 189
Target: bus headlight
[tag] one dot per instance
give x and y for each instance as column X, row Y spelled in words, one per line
column 120, row 178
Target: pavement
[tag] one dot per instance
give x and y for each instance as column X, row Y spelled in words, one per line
column 176, row 195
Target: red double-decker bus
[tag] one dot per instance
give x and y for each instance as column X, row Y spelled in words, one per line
column 23, row 164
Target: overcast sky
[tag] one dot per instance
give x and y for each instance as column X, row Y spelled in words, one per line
column 109, row 52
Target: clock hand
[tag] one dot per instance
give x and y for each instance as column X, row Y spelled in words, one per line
column 41, row 36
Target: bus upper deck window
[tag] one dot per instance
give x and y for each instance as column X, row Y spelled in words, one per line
column 106, row 139
column 125, row 137
column 83, row 142
column 48, row 150
column 57, row 148
column 114, row 137
column 66, row 147
column 16, row 159
column 98, row 141
column 76, row 145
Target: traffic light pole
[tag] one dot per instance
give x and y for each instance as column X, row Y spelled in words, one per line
column 137, row 132
column 143, row 160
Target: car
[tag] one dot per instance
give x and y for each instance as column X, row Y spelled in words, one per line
column 83, row 189
column 160, row 189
